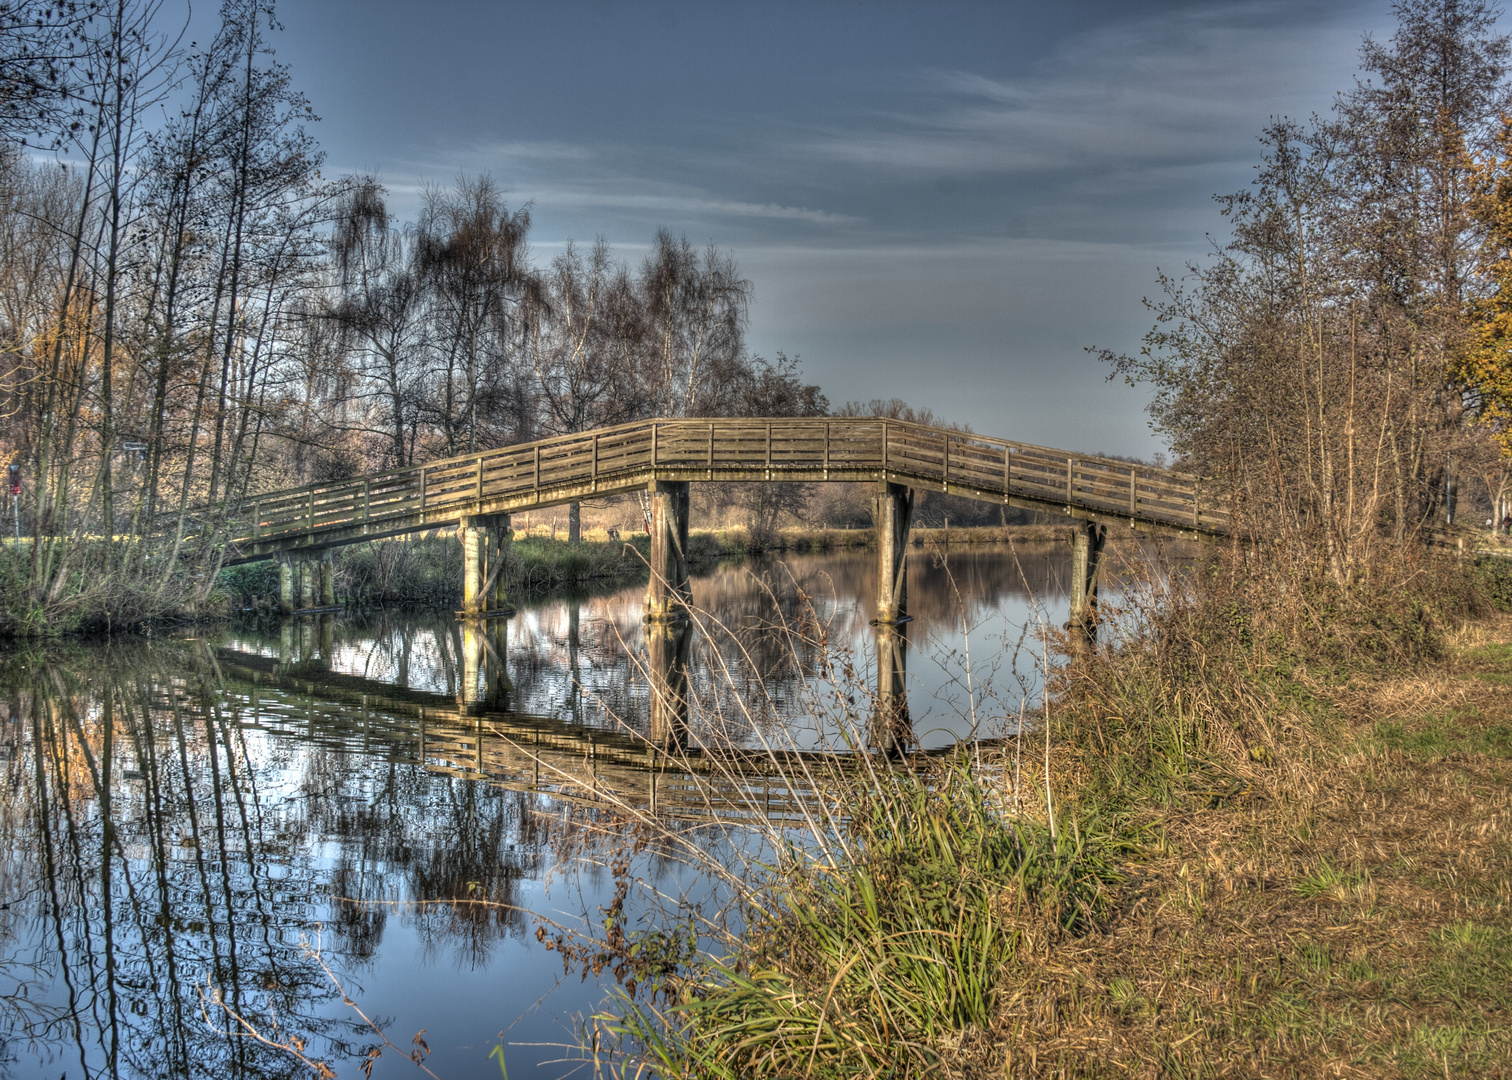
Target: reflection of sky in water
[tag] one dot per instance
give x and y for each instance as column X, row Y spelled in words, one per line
column 242, row 807
column 228, row 843
column 754, row 681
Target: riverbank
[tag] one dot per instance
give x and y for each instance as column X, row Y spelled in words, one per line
column 1272, row 845
column 1349, row 913
column 427, row 568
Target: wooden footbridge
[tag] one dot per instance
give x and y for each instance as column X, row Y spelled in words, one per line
column 476, row 493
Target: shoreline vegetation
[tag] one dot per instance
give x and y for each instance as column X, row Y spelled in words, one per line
column 426, row 568
column 1272, row 845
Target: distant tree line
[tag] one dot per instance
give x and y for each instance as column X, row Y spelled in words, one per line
column 190, row 312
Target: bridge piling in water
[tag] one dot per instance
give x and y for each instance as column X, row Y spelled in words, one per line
column 327, row 578
column 485, row 542
column 668, row 594
column 285, row 583
column 1087, row 542
column 892, row 511
column 306, row 568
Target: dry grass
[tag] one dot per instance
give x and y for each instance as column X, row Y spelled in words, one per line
column 1356, row 923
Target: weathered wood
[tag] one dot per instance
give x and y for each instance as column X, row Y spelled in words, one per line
column 485, row 544
column 892, row 511
column 306, row 567
column 570, row 467
column 1087, row 542
column 327, row 579
column 667, row 594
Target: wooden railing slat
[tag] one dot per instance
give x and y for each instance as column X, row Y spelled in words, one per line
column 758, row 447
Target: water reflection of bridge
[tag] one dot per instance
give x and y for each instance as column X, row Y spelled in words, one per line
column 477, row 737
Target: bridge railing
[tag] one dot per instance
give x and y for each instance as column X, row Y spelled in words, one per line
column 765, row 449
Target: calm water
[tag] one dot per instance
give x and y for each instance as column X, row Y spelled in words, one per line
column 260, row 811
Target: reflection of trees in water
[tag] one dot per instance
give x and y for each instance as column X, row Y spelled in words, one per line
column 151, row 842
column 763, row 628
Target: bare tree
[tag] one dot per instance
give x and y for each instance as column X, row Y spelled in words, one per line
column 474, row 258
column 587, row 333
column 696, row 307
column 379, row 308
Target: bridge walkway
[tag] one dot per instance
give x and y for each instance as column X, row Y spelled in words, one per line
column 635, row 456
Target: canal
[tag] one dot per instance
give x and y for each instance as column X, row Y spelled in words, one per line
column 210, row 835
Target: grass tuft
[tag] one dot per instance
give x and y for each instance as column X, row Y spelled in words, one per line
column 870, row 966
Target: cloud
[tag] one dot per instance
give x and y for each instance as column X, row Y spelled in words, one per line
column 1180, row 86
column 681, row 205
column 573, row 178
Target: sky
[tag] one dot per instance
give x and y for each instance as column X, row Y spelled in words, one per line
column 945, row 203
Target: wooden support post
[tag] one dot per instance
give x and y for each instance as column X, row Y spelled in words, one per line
column 891, row 731
column 892, row 511
column 327, row 579
column 667, row 595
column 1086, row 556
column 307, row 580
column 485, row 546
column 285, row 584
column 498, row 555
column 472, row 536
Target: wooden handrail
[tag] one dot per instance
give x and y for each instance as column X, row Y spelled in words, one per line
column 818, row 446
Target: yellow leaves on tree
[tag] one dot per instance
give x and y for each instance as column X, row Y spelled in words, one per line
column 1484, row 366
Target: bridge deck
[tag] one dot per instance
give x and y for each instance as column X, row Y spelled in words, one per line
column 630, row 456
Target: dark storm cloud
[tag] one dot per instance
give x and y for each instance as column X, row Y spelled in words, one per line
column 942, row 203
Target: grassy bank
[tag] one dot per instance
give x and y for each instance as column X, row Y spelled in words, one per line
column 427, row 569
column 1278, row 842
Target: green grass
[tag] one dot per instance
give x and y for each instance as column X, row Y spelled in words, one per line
column 868, row 967
column 1327, row 880
column 1439, row 735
